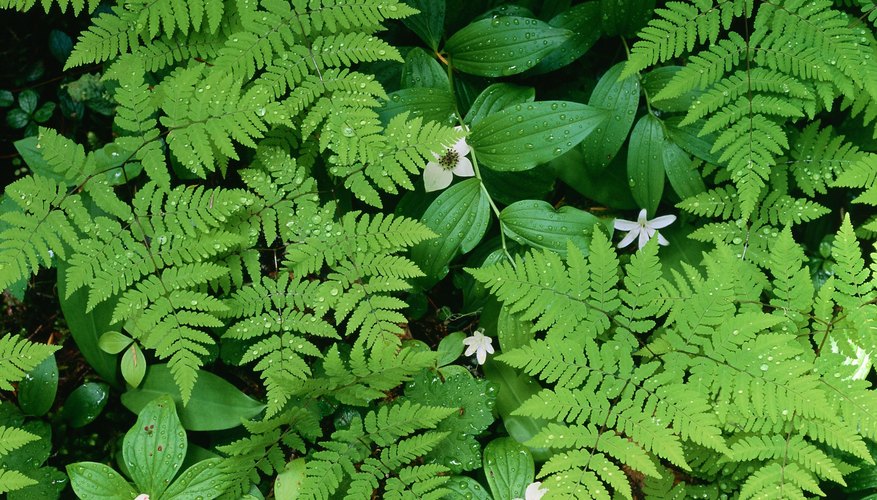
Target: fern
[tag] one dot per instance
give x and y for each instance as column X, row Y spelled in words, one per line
column 718, row 374
column 799, row 58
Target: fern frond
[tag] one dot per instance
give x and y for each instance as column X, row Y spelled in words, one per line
column 17, row 357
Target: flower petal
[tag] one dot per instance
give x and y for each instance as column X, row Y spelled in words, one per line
column 464, row 168
column 644, row 237
column 662, row 241
column 662, row 221
column 435, row 177
column 626, row 225
column 641, row 218
column 488, row 346
column 470, row 350
column 462, row 148
column 481, row 355
column 628, row 239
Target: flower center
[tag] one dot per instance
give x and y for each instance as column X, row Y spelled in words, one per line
column 449, row 160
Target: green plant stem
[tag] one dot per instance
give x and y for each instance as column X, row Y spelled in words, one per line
column 505, row 248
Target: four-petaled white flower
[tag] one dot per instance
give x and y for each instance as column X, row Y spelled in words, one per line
column 643, row 229
column 438, row 174
column 535, row 491
column 479, row 345
column 142, row 496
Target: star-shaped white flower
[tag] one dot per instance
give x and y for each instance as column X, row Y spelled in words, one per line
column 643, row 229
column 479, row 345
column 438, row 174
column 535, row 491
column 142, row 496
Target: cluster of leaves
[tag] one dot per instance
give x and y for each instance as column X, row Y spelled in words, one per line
column 259, row 209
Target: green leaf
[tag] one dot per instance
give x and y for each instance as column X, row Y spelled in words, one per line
column 428, row 103
column 466, row 487
column 497, row 97
column 17, row 118
column 625, row 17
column 85, row 403
column 422, row 70
column 511, row 331
column 215, row 403
column 94, row 481
column 154, row 448
column 645, row 162
column 87, row 327
column 44, row 113
column 204, row 480
column 509, row 468
column 513, row 388
column 621, row 99
column 114, row 342
column 6, row 99
column 683, row 177
column 60, row 45
column 475, row 399
column 32, row 156
column 133, row 365
column 459, row 217
column 538, row 224
column 525, row 135
column 657, row 79
column 288, row 483
column 607, row 186
column 450, row 348
column 50, row 483
column 429, row 23
column 688, row 139
column 503, row 46
column 509, row 187
column 582, row 20
column 36, row 392
column 27, row 101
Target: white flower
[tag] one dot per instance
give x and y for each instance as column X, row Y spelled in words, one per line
column 439, row 174
column 643, row 228
column 142, row 496
column 534, row 492
column 479, row 345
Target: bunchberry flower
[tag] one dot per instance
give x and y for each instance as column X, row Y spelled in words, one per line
column 479, row 345
column 643, row 229
column 535, row 491
column 438, row 174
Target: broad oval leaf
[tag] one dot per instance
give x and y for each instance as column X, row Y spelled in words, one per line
column 538, row 224
column 459, row 217
column 87, row 327
column 428, row 103
column 450, row 348
column 154, row 448
column 502, row 46
column 288, row 483
column 645, row 162
column 215, row 403
column 683, row 177
column 466, row 487
column 422, row 70
column 513, row 388
column 113, row 342
column 625, row 17
column 584, row 21
column 85, row 403
column 99, row 482
column 657, row 79
column 497, row 97
column 133, row 365
column 429, row 23
column 621, row 99
column 204, row 481
column 509, row 468
column 36, row 391
column 525, row 135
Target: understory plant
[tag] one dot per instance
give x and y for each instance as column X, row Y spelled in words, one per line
column 365, row 249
